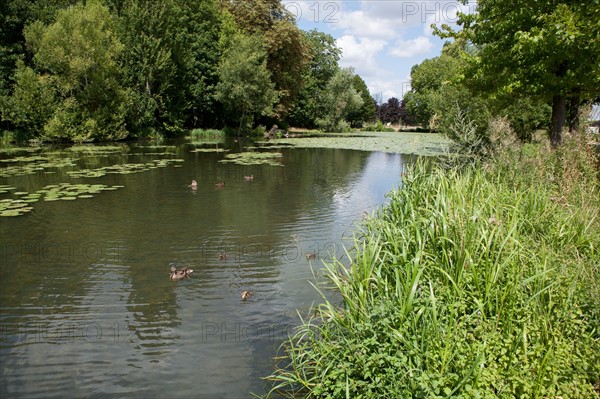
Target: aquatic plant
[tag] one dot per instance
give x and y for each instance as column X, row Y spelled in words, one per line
column 472, row 283
column 123, row 169
column 401, row 143
column 51, row 192
column 35, row 164
column 254, row 158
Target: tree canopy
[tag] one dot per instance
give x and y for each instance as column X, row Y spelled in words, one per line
column 74, row 70
column 548, row 49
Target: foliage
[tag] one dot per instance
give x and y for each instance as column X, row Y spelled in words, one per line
column 245, row 88
column 137, row 68
column 171, row 62
column 288, row 51
column 366, row 113
column 340, row 99
column 32, row 103
column 14, row 16
column 549, row 49
column 392, row 111
column 378, row 127
column 77, row 55
column 322, row 67
column 470, row 283
column 432, row 82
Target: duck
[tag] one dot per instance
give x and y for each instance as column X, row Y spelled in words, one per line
column 311, row 255
column 182, row 273
column 249, row 178
column 222, row 256
column 220, row 185
column 246, row 295
column 194, row 184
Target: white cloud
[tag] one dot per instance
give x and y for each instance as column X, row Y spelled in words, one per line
column 381, row 39
column 411, row 48
column 360, row 53
column 358, row 23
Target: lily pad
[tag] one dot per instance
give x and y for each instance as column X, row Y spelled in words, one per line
column 122, row 169
column 254, row 158
column 32, row 165
column 5, row 188
column 209, row 150
column 10, row 207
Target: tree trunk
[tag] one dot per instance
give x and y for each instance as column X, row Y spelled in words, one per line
column 574, row 113
column 559, row 111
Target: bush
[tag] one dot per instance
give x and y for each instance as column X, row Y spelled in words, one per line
column 378, row 127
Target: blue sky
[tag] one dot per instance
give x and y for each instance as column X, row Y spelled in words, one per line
column 381, row 39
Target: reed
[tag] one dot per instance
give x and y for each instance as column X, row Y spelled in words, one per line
column 476, row 282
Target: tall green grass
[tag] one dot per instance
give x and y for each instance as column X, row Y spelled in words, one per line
column 478, row 283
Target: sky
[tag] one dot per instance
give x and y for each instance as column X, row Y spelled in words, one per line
column 380, row 39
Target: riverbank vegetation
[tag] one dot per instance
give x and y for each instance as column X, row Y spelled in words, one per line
column 480, row 278
column 479, row 281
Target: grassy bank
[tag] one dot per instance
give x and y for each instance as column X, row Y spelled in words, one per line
column 482, row 282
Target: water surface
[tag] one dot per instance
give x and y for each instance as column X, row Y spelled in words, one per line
column 87, row 307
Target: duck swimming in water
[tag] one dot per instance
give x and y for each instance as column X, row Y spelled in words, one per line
column 220, row 185
column 247, row 295
column 194, row 184
column 249, row 178
column 182, row 273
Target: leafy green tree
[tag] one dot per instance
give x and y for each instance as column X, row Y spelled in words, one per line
column 245, row 88
column 340, row 100
column 286, row 46
column 14, row 16
column 543, row 48
column 366, row 113
column 32, row 103
column 146, row 30
column 170, row 61
column 426, row 80
column 323, row 66
column 78, row 53
column 439, row 94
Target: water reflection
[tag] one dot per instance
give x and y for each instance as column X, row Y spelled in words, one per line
column 87, row 307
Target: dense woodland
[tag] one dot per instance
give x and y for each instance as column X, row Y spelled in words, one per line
column 115, row 69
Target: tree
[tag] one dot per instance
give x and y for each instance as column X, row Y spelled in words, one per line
column 171, row 57
column 366, row 113
column 426, row 80
column 323, row 66
column 288, row 51
column 245, row 87
column 391, row 111
column 544, row 48
column 406, row 117
column 77, row 57
column 32, row 103
column 340, row 99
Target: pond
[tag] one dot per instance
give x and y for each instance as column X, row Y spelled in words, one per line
column 87, row 306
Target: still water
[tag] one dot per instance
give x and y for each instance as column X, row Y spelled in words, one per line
column 87, row 307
